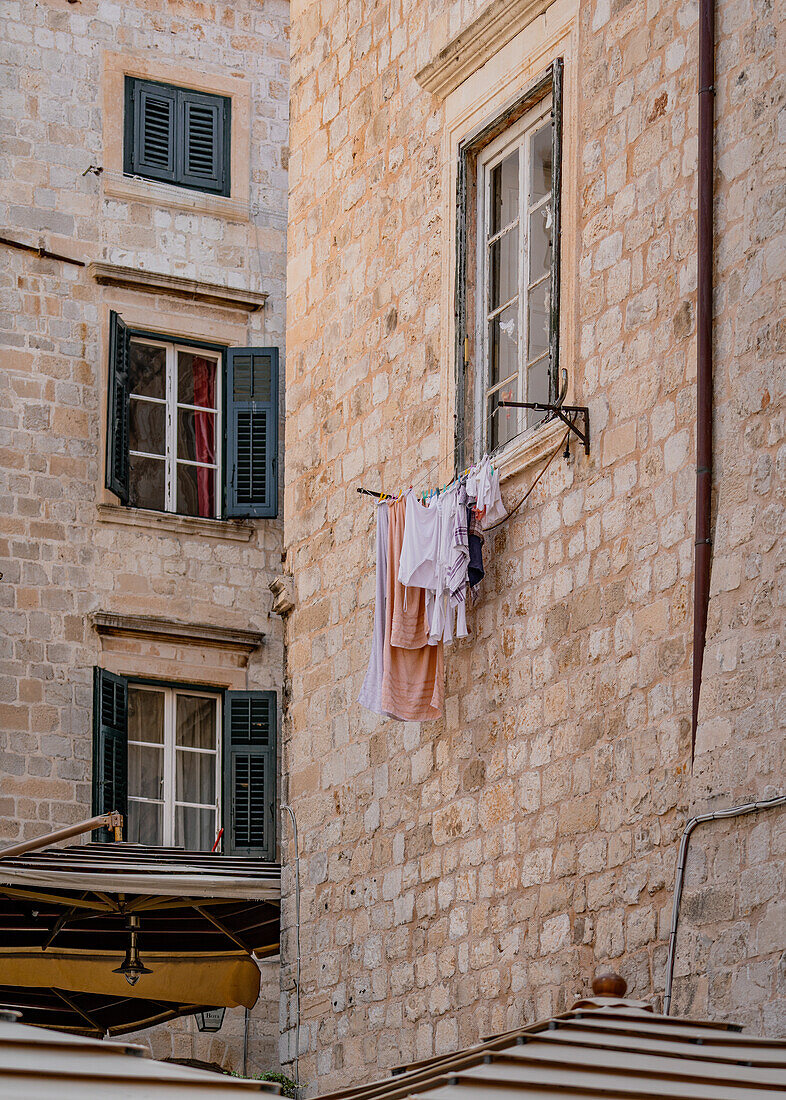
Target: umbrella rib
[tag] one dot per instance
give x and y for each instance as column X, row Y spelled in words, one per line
column 60, row 923
column 220, row 926
column 80, row 1012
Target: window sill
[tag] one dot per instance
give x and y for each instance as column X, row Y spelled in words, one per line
column 116, row 185
column 237, row 530
column 529, row 448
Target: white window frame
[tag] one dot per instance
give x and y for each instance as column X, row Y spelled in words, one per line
column 170, row 750
column 172, row 406
column 515, row 136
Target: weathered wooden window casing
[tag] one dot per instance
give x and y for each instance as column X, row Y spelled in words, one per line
column 177, row 135
column 471, row 378
column 246, row 755
column 241, row 453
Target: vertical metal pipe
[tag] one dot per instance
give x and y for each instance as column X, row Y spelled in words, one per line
column 701, row 590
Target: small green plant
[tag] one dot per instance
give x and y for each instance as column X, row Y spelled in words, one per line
column 288, row 1086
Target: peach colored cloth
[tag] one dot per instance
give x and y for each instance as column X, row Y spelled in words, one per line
column 413, row 683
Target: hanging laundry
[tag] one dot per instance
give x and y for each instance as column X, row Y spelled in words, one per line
column 486, row 493
column 475, row 573
column 371, row 691
column 413, row 678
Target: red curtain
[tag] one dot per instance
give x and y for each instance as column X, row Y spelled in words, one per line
column 205, row 430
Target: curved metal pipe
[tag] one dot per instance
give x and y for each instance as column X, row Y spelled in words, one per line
column 291, row 813
column 732, row 811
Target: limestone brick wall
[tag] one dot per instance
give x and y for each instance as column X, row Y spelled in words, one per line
column 67, row 550
column 464, row 876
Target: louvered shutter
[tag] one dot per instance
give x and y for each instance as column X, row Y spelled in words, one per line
column 250, row 773
column 117, row 408
column 252, row 432
column 154, row 126
column 110, row 746
column 205, row 145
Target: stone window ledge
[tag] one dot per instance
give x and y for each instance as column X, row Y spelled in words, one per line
column 236, row 530
column 116, row 185
column 156, row 282
column 528, row 449
column 477, row 42
column 154, row 627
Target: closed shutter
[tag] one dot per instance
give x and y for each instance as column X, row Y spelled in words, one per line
column 205, row 122
column 177, row 135
column 556, row 210
column 153, row 124
column 110, row 747
column 250, row 773
column 117, row 410
column 252, row 432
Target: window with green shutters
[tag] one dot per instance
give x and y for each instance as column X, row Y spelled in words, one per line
column 180, row 765
column 177, row 135
column 191, row 428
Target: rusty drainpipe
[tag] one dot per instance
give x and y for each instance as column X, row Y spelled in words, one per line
column 701, row 586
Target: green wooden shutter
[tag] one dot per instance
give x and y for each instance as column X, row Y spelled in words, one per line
column 151, row 124
column 250, row 773
column 252, row 432
column 203, row 141
column 117, row 409
column 110, row 746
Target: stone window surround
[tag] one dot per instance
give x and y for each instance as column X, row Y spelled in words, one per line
column 476, row 100
column 146, row 312
column 115, row 67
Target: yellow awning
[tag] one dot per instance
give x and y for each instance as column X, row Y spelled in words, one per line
column 221, row 981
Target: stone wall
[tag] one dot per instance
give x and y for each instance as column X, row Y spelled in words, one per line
column 465, row 876
column 67, row 550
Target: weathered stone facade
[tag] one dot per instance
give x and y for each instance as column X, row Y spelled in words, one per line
column 68, row 549
column 465, row 876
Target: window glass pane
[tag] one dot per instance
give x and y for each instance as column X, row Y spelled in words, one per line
column 146, row 483
column 540, row 159
column 146, row 771
column 538, row 320
column 196, row 722
column 147, row 370
column 195, row 777
column 504, row 268
column 196, row 434
column 145, row 823
column 504, row 193
column 537, row 389
column 503, row 344
column 147, row 427
column 145, row 715
column 504, row 423
column 195, row 829
column 196, row 380
column 539, row 243
column 196, row 490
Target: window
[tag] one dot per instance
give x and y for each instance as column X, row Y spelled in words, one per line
column 191, row 430
column 507, row 277
column 174, row 767
column 174, row 426
column 514, row 254
column 177, row 135
column 181, row 763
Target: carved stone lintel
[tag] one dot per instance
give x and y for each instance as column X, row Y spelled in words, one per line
column 283, row 589
column 170, row 630
column 495, row 25
column 157, row 283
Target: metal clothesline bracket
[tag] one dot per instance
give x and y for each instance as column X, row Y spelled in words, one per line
column 570, row 415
